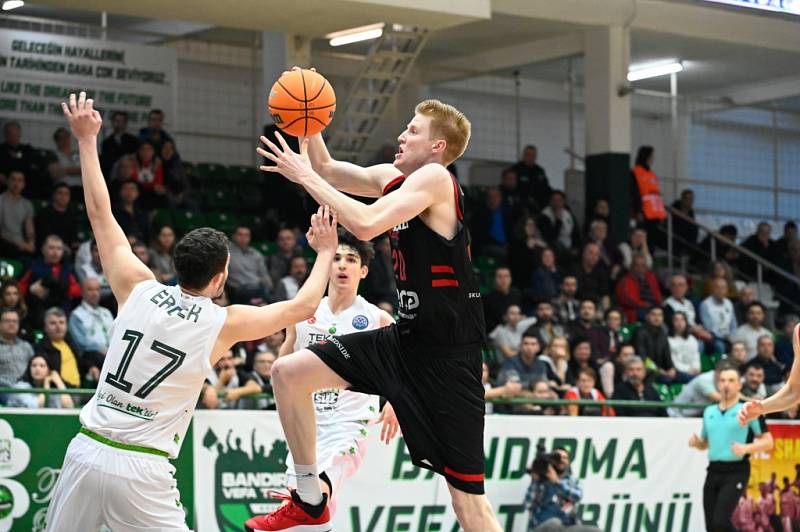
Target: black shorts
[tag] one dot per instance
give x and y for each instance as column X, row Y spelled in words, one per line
column 436, row 393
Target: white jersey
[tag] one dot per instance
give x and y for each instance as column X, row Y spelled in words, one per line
column 335, row 406
column 159, row 355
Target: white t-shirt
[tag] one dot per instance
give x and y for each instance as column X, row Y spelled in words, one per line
column 745, row 333
column 685, row 353
column 685, row 306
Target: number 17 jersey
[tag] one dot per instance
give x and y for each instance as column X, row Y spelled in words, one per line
column 157, row 360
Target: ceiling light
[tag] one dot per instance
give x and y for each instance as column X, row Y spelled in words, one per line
column 361, row 33
column 8, row 5
column 654, row 71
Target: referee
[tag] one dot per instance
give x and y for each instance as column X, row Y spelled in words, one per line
column 729, row 448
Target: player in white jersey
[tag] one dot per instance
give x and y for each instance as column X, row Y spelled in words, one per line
column 342, row 415
column 164, row 342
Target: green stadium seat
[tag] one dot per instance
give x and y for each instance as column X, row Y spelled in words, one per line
column 220, row 199
column 675, row 389
column 310, row 255
column 84, row 230
column 255, row 222
column 223, row 221
column 664, row 391
column 162, row 217
column 264, row 247
column 47, row 156
column 185, row 220
column 10, row 268
column 709, row 360
column 39, row 204
column 212, row 172
column 245, row 174
column 250, row 197
column 628, row 330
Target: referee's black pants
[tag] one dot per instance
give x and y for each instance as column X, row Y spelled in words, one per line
column 725, row 484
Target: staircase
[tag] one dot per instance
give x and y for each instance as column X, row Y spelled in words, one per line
column 385, row 67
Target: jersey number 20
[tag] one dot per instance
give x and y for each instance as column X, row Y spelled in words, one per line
column 134, row 338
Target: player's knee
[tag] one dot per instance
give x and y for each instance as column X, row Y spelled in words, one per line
column 283, row 374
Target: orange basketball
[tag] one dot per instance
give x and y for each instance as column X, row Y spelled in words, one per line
column 302, row 103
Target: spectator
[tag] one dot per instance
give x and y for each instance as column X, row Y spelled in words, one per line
column 68, row 159
column 58, row 218
column 600, row 212
column 94, row 270
column 685, row 231
column 142, row 252
column 14, row 351
column 289, row 285
column 738, row 355
column 558, row 225
column 491, row 226
column 379, row 286
column 90, row 326
column 789, row 236
column 740, row 305
column 524, row 251
column 17, row 235
column 175, row 180
column 506, row 391
column 154, row 132
column 39, row 374
column 678, row 302
column 118, row 144
column 526, row 367
column 610, row 257
column 161, row 255
column 228, row 382
column 638, row 290
column 566, row 304
column 557, row 357
column 721, row 269
column 546, row 279
column 542, row 390
column 532, row 180
column 700, row 390
column 613, row 330
column 634, row 387
column 500, row 298
column 585, row 389
column 593, row 277
column 652, row 345
column 148, row 172
column 717, row 315
column 724, row 251
column 50, row 281
column 636, row 245
column 260, row 382
column 646, row 200
column 551, row 499
column 612, row 371
column 765, row 357
column 684, row 348
column 248, row 278
column 750, row 332
column 783, row 347
column 11, row 298
column 278, row 262
column 61, row 353
column 18, row 157
column 753, row 381
column 131, row 218
column 789, row 289
column 581, row 359
column 509, row 187
column 586, row 326
column 762, row 245
column 545, row 328
column 507, row 336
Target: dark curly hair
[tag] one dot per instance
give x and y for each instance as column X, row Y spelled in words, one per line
column 364, row 248
column 199, row 256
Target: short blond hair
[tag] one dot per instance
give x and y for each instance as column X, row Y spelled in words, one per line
column 447, row 123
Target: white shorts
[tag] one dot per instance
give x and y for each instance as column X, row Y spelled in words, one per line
column 340, row 452
column 102, row 488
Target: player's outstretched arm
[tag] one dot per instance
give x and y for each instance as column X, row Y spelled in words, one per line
column 421, row 189
column 787, row 396
column 122, row 268
column 246, row 322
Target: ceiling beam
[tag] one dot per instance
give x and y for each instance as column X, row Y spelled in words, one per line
column 503, row 58
column 762, row 91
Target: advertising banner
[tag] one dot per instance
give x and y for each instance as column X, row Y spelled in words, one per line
column 38, row 71
column 637, row 474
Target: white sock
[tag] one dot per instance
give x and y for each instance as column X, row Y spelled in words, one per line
column 308, row 484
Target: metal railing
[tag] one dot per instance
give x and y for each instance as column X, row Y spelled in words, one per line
column 502, row 401
column 761, row 263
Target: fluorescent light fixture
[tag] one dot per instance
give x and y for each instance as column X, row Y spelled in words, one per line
column 654, row 71
column 8, row 5
column 361, row 33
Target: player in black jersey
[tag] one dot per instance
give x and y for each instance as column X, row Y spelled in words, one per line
column 428, row 365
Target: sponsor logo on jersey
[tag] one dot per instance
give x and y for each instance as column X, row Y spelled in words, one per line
column 360, row 322
column 408, row 301
column 342, row 349
column 312, row 320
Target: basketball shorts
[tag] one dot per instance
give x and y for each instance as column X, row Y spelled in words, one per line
column 436, row 392
column 102, row 488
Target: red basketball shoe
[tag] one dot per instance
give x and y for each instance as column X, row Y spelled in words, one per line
column 293, row 516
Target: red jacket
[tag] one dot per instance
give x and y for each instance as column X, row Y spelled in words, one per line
column 629, row 295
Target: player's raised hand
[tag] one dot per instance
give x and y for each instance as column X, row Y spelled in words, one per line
column 322, row 234
column 84, row 121
column 293, row 166
column 750, row 411
column 390, row 426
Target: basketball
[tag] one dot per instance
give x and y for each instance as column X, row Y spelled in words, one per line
column 302, row 103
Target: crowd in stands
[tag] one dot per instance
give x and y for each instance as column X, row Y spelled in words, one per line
column 570, row 313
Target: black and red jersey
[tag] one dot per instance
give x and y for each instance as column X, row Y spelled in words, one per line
column 438, row 295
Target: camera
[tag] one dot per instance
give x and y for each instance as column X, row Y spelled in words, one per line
column 543, row 461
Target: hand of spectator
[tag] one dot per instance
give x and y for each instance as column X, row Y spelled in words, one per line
column 749, row 412
column 512, row 389
column 552, row 475
column 55, row 379
column 739, row 449
column 232, row 395
column 39, row 290
column 226, row 375
column 84, row 121
column 94, row 373
column 669, row 372
column 390, row 426
column 322, row 236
